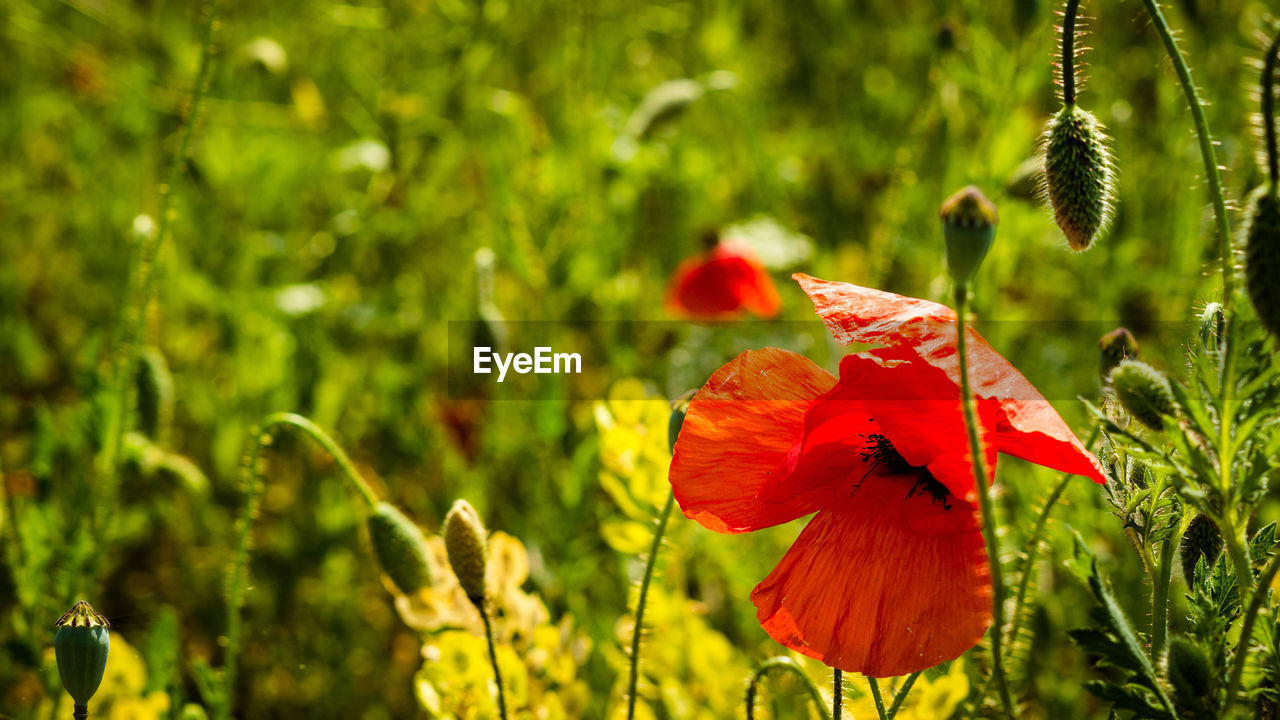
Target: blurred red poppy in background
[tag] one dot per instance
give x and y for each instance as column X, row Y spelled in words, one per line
column 891, row 575
column 722, row 282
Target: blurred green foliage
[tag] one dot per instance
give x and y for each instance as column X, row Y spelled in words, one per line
column 351, row 161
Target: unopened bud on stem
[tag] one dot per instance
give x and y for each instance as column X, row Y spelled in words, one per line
column 969, row 225
column 466, row 541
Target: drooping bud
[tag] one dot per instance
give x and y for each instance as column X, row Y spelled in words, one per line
column 1262, row 259
column 80, row 646
column 400, row 548
column 1144, row 392
column 1115, row 346
column 1079, row 177
column 1191, row 678
column 969, row 225
column 467, row 543
column 1201, row 540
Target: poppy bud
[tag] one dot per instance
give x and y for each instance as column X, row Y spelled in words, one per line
column 1079, row 177
column 968, row 224
column 400, row 548
column 1117, row 345
column 80, row 646
column 1262, row 260
column 1201, row 540
column 155, row 395
column 466, row 541
column 1191, row 678
column 1144, row 392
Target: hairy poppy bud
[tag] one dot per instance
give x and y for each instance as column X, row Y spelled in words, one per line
column 80, row 646
column 1201, row 540
column 400, row 547
column 1262, row 260
column 155, row 395
column 1115, row 346
column 1079, row 178
column 1191, row 678
column 969, row 225
column 467, row 543
column 1144, row 392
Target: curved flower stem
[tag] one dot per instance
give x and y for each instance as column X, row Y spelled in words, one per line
column 875, row 695
column 141, row 283
column 901, row 696
column 1206, row 151
column 984, row 500
column 1265, row 578
column 1268, row 113
column 784, row 664
column 837, row 693
column 493, row 658
column 251, row 477
column 644, row 595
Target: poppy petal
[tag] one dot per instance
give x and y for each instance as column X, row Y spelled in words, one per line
column 721, row 284
column 866, row 589
column 1028, row 426
column 728, row 472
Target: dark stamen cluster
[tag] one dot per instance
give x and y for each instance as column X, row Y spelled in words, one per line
column 880, row 453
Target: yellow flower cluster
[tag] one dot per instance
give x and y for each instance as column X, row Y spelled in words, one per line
column 634, row 457
column 929, row 699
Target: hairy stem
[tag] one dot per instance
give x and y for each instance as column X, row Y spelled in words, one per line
column 784, row 664
column 901, row 695
column 1268, row 113
column 1069, row 52
column 875, row 696
column 1206, row 150
column 983, row 491
column 493, row 658
column 636, row 633
column 1160, row 589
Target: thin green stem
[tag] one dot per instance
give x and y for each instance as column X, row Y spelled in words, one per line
column 983, row 491
column 1260, row 594
column 261, row 437
column 875, row 696
column 493, row 658
column 1160, row 588
column 1206, row 151
column 636, row 632
column 784, row 664
column 141, row 285
column 837, row 693
column 901, row 695
column 1069, row 52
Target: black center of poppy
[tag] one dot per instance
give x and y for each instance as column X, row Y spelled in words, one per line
column 879, row 453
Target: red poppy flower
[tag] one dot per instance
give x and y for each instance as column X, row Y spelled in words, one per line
column 891, row 575
column 720, row 283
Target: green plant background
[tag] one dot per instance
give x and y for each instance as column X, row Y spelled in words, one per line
column 323, row 242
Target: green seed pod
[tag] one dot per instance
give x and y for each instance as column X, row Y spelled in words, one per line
column 1192, row 679
column 467, row 543
column 1202, row 540
column 81, row 645
column 1079, row 178
column 1115, row 346
column 155, row 395
column 1262, row 259
column 400, row 547
column 1145, row 392
column 969, row 225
